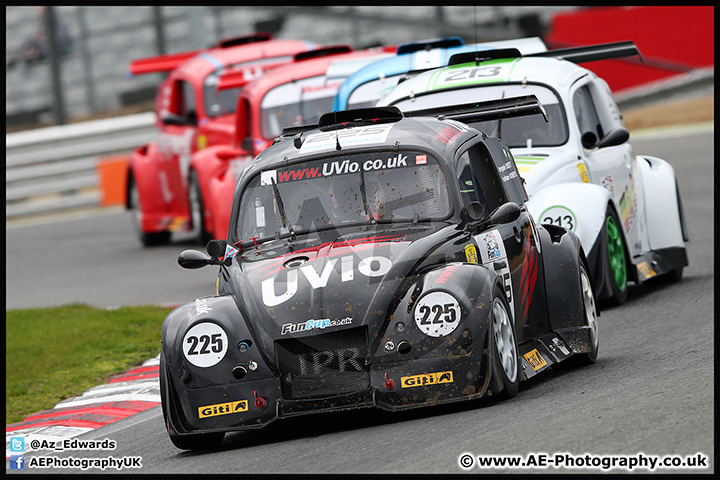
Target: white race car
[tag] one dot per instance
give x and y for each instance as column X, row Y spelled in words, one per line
column 580, row 171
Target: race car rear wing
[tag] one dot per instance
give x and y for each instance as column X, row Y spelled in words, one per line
column 590, row 53
column 238, row 78
column 593, row 53
column 485, row 111
column 167, row 62
column 448, row 42
column 466, row 112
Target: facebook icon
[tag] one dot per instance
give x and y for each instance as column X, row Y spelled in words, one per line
column 17, row 462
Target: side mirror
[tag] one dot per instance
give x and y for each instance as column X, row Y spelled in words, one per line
column 172, row 119
column 228, row 153
column 193, row 259
column 506, row 213
column 614, row 137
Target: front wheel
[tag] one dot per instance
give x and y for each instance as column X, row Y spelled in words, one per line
column 506, row 349
column 616, row 264
column 197, row 210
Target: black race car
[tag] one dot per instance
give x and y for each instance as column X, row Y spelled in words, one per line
column 375, row 259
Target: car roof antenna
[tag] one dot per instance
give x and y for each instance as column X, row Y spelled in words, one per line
column 337, row 137
column 477, row 56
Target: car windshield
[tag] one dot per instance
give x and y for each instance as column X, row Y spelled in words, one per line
column 296, row 103
column 358, row 188
column 367, row 94
column 517, row 132
column 224, row 102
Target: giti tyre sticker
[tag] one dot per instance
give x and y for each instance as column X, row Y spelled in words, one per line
column 205, row 344
column 492, row 253
column 560, row 216
column 437, row 314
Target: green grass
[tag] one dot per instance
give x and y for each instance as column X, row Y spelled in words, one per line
column 57, row 353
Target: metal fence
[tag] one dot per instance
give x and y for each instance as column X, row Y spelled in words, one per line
column 85, row 71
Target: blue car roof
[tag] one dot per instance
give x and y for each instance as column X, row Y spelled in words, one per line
column 419, row 60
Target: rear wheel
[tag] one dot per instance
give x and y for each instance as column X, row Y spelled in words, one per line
column 197, row 212
column 616, row 264
column 506, row 350
column 148, row 239
column 183, row 442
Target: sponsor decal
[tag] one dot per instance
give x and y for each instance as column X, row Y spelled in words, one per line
column 607, row 182
column 373, row 266
column 492, row 249
column 352, row 137
column 223, row 409
column 446, row 274
column 202, row 141
column 314, row 324
column 230, row 252
column 471, row 253
column 646, row 270
column 201, row 306
column 583, row 172
column 505, row 167
column 348, row 359
column 426, row 379
column 205, row 344
column 437, row 314
column 560, row 216
column 491, row 246
column 420, row 159
column 535, row 360
column 528, row 277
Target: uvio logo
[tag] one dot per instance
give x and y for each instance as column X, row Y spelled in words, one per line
column 370, row 267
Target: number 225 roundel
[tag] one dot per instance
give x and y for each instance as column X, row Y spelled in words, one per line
column 437, row 314
column 205, row 344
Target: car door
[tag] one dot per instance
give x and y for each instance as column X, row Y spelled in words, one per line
column 175, row 143
column 610, row 167
column 509, row 248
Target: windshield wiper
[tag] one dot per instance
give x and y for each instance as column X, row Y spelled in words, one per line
column 364, row 197
column 281, row 208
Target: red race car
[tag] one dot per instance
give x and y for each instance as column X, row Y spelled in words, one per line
column 294, row 94
column 162, row 186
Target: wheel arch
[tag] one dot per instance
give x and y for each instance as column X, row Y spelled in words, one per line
column 663, row 213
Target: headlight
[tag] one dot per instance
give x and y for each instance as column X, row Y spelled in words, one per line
column 437, row 314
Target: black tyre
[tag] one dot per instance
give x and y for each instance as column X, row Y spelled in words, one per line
column 148, row 239
column 505, row 345
column 197, row 210
column 616, row 264
column 183, row 442
column 590, row 314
